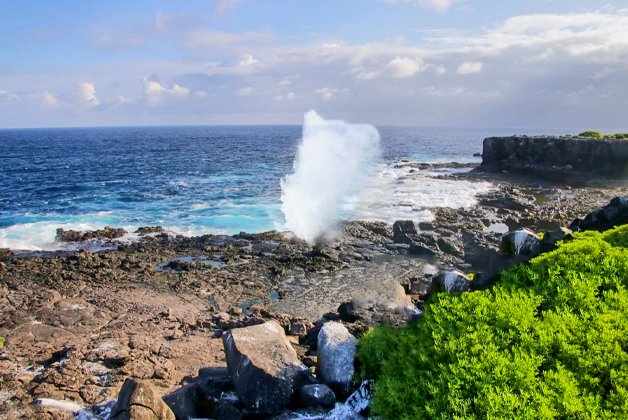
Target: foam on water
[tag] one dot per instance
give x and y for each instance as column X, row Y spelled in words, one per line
column 396, row 194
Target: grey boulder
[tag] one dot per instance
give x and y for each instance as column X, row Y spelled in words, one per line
column 336, row 354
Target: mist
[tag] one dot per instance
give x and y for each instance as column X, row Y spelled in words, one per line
column 334, row 163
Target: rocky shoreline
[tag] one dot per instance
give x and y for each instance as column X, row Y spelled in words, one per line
column 78, row 324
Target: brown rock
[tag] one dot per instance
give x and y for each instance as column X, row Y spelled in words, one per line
column 140, row 401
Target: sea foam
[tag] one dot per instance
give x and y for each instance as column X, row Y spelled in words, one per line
column 334, row 162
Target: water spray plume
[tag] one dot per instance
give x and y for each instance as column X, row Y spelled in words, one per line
column 334, row 163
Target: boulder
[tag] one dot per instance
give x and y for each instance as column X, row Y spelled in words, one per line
column 402, row 228
column 613, row 214
column 450, row 282
column 264, row 367
column 139, row 400
column 552, row 237
column 185, row 402
column 317, row 395
column 521, row 242
column 336, row 354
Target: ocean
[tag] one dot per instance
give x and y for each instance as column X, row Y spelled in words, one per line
column 204, row 179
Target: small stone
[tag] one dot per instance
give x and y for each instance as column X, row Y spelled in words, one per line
column 317, row 395
column 221, row 317
column 236, row 310
column 298, row 328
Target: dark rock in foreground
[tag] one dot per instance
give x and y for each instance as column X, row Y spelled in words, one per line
column 607, row 217
column 265, row 369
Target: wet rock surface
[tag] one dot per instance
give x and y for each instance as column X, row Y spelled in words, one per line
column 78, row 324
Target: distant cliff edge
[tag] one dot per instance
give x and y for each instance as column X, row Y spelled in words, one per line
column 556, row 155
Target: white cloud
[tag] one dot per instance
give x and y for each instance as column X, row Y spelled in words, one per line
column 402, row 67
column 245, row 91
column 49, row 99
column 88, row 93
column 470, row 67
column 438, row 5
column 327, row 94
column 124, row 99
column 291, row 96
column 200, row 94
column 247, row 60
column 224, row 5
column 10, row 96
column 154, row 92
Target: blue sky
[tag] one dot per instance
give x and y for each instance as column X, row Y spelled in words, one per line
column 521, row 63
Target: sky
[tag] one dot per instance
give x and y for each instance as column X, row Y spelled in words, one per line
column 467, row 63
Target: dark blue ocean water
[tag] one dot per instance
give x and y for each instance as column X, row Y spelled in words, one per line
column 192, row 180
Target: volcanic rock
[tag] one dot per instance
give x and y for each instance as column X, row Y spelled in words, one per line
column 265, row 369
column 401, row 230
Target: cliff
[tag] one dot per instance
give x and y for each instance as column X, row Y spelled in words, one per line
column 607, row 157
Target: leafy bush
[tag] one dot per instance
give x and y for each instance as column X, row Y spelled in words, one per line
column 621, row 136
column 550, row 341
column 591, row 134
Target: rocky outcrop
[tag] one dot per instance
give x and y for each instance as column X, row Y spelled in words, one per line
column 139, row 401
column 264, row 367
column 75, row 236
column 550, row 154
column 336, row 354
column 607, row 217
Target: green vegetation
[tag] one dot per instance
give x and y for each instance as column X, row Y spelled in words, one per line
column 549, row 341
column 1, row 341
column 592, row 134
column 598, row 135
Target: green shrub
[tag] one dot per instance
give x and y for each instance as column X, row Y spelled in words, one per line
column 550, row 341
column 592, row 134
column 621, row 136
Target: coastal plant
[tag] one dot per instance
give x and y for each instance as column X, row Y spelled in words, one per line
column 549, row 341
column 591, row 134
